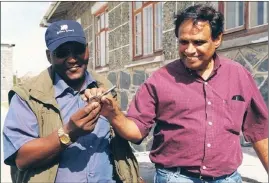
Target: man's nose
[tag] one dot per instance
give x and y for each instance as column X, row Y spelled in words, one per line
column 190, row 49
column 72, row 58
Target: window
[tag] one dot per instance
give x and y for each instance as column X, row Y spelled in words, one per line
column 243, row 16
column 158, row 26
column 234, row 15
column 101, row 40
column 147, row 28
column 258, row 14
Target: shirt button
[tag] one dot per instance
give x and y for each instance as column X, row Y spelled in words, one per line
column 206, row 83
column 208, row 145
column 209, row 103
column 210, row 123
column 204, row 167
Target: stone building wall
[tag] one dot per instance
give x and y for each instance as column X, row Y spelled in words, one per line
column 6, row 70
column 119, row 31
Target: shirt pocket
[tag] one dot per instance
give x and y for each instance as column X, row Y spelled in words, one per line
column 236, row 111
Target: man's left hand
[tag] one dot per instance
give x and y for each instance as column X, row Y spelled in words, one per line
column 109, row 104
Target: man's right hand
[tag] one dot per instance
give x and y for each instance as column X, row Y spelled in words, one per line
column 83, row 121
column 124, row 126
column 42, row 151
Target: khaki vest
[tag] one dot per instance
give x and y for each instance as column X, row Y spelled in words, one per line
column 38, row 93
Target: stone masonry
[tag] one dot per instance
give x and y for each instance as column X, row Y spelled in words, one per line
column 6, row 70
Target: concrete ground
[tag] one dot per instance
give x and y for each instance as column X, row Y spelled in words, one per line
column 251, row 169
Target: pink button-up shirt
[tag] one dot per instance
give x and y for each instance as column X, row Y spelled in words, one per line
column 197, row 122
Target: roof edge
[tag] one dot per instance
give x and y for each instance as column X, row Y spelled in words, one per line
column 53, row 6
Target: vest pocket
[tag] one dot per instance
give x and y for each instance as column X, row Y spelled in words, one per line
column 49, row 121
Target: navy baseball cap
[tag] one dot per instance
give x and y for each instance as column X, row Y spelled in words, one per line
column 63, row 31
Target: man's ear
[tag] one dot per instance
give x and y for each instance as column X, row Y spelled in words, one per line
column 48, row 55
column 87, row 49
column 218, row 41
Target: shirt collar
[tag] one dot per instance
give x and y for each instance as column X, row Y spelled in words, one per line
column 61, row 86
column 217, row 63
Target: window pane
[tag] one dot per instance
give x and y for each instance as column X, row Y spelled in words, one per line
column 97, row 63
column 265, row 14
column 98, row 24
column 103, row 48
column 138, row 46
column 102, row 21
column 234, row 12
column 241, row 13
column 158, row 26
column 258, row 13
column 107, row 57
column 138, row 36
column 137, row 4
column 106, row 17
column 147, row 30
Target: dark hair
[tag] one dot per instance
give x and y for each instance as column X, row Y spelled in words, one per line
column 203, row 13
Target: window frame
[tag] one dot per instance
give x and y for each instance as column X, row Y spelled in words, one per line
column 222, row 8
column 257, row 26
column 98, row 31
column 246, row 30
column 135, row 12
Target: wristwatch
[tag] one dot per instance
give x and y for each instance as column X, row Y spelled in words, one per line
column 64, row 137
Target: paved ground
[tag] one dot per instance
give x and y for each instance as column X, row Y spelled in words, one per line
column 251, row 169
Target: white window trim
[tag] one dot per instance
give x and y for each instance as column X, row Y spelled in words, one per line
column 97, row 6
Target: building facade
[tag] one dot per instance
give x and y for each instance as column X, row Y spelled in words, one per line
column 130, row 40
column 6, row 70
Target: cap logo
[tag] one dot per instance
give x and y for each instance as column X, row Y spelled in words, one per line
column 64, row 28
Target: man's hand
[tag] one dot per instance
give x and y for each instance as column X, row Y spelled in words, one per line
column 92, row 93
column 83, row 121
column 109, row 107
column 123, row 126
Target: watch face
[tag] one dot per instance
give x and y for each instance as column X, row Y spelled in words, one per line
column 65, row 139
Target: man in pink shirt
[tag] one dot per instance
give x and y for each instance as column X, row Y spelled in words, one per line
column 199, row 104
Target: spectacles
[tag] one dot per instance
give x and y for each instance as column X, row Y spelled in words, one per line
column 65, row 51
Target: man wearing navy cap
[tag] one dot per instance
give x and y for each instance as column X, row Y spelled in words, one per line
column 50, row 134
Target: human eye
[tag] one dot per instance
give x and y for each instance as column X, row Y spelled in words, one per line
column 199, row 42
column 183, row 42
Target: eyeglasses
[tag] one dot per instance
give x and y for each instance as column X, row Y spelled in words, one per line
column 65, row 51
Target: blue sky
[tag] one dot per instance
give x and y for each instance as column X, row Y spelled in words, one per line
column 20, row 26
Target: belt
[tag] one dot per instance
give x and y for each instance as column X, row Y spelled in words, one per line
column 184, row 171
